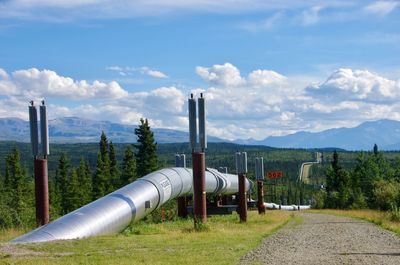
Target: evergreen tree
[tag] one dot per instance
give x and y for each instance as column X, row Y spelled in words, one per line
column 102, row 179
column 114, row 172
column 128, row 167
column 54, row 200
column 73, row 198
column 85, row 180
column 376, row 149
column 61, row 182
column 338, row 185
column 146, row 156
column 15, row 180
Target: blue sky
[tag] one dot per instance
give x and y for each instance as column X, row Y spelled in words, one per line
column 266, row 67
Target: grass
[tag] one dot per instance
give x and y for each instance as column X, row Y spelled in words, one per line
column 223, row 242
column 380, row 218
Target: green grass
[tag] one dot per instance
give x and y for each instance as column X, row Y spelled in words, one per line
column 223, row 242
column 380, row 218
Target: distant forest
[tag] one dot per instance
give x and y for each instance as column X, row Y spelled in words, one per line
column 343, row 179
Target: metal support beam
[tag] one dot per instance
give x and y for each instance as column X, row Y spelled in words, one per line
column 242, row 198
column 182, row 207
column 260, row 194
column 41, row 191
column 199, row 188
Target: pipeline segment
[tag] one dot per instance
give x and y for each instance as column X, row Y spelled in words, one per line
column 115, row 211
column 286, row 207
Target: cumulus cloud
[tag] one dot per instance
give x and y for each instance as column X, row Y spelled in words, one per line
column 360, row 85
column 256, row 104
column 144, row 70
column 34, row 83
column 382, row 7
column 221, row 75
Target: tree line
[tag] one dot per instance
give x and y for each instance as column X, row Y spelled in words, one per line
column 72, row 187
column 373, row 183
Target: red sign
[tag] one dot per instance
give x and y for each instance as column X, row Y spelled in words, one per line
column 275, row 174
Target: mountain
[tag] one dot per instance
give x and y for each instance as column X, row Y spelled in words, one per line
column 77, row 130
column 385, row 133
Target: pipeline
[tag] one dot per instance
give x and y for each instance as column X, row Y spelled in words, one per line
column 115, row 211
column 286, row 207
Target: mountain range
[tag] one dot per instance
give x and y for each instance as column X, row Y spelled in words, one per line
column 77, row 130
column 385, row 133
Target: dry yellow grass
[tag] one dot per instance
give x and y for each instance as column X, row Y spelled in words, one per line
column 377, row 217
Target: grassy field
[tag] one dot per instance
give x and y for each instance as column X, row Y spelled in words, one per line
column 377, row 217
column 223, row 241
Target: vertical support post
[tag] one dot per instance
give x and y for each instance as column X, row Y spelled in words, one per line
column 180, row 161
column 241, row 169
column 41, row 191
column 260, row 184
column 182, row 207
column 260, row 200
column 242, row 198
column 199, row 188
column 198, row 159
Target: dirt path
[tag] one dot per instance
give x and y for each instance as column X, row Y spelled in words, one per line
column 327, row 239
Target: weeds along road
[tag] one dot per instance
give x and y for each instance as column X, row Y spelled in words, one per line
column 327, row 239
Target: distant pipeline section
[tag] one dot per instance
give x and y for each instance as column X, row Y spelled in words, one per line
column 115, row 211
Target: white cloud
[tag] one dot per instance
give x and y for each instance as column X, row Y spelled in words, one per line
column 260, row 78
column 34, row 83
column 68, row 10
column 226, row 75
column 144, row 70
column 256, row 104
column 311, row 16
column 268, row 23
column 356, row 85
column 381, row 7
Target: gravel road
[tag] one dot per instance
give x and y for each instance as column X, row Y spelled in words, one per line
column 326, row 239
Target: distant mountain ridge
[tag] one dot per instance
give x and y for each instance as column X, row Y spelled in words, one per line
column 77, row 130
column 385, row 133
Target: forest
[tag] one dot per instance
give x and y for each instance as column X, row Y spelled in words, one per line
column 81, row 173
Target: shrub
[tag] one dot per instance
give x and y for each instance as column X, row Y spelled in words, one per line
column 319, row 199
column 395, row 213
column 385, row 194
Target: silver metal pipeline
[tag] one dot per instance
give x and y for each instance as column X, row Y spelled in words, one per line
column 286, row 207
column 115, row 211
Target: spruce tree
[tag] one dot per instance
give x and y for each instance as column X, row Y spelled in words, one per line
column 85, row 180
column 146, row 156
column 376, row 152
column 114, row 172
column 15, row 180
column 128, row 167
column 102, row 179
column 73, row 196
column 61, row 182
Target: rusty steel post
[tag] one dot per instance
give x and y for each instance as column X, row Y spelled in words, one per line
column 182, row 207
column 260, row 200
column 41, row 191
column 199, row 188
column 224, row 200
column 242, row 198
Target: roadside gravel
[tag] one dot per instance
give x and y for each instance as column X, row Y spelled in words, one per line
column 327, row 239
